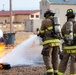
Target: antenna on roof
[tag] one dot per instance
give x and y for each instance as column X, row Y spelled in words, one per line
column 3, row 7
column 66, row 0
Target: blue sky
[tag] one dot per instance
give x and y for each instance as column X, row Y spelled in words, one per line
column 20, row 4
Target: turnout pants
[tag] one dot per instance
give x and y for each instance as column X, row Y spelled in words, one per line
column 64, row 61
column 50, row 57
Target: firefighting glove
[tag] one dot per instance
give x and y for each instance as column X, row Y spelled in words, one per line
column 42, row 36
column 38, row 34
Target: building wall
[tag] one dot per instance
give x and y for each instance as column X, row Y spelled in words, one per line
column 36, row 24
column 21, row 18
column 7, row 18
column 44, row 5
column 59, row 9
column 4, row 18
column 32, row 25
column 36, row 16
column 15, row 27
column 17, row 20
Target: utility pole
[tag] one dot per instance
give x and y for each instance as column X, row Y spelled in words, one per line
column 11, row 16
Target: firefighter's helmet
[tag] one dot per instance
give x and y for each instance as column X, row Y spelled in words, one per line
column 70, row 12
column 50, row 12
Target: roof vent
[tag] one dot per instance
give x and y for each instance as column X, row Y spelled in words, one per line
column 66, row 0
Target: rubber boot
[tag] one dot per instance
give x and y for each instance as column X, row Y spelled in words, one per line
column 50, row 73
column 55, row 74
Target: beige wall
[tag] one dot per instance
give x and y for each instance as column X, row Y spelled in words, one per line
column 7, row 18
column 4, row 18
column 17, row 18
column 16, row 27
column 38, row 13
column 21, row 18
column 62, row 10
column 13, row 19
column 43, row 8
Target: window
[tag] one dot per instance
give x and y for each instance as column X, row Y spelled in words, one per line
column 32, row 16
column 45, row 3
column 37, row 16
column 42, row 3
column 57, row 11
column 40, row 11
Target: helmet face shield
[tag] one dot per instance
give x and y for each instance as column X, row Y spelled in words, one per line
column 53, row 14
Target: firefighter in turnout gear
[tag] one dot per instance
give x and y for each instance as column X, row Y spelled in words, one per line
column 69, row 45
column 50, row 37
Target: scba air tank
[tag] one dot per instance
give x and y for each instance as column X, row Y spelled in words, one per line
column 69, row 29
column 57, row 25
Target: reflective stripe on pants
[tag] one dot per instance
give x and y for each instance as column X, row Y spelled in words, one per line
column 72, row 74
column 51, row 41
column 49, row 70
column 60, row 73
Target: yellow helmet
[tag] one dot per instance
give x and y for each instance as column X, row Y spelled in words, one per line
column 70, row 12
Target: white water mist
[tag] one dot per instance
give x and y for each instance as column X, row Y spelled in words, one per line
column 24, row 53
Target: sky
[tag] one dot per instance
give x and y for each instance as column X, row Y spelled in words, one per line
column 20, row 4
